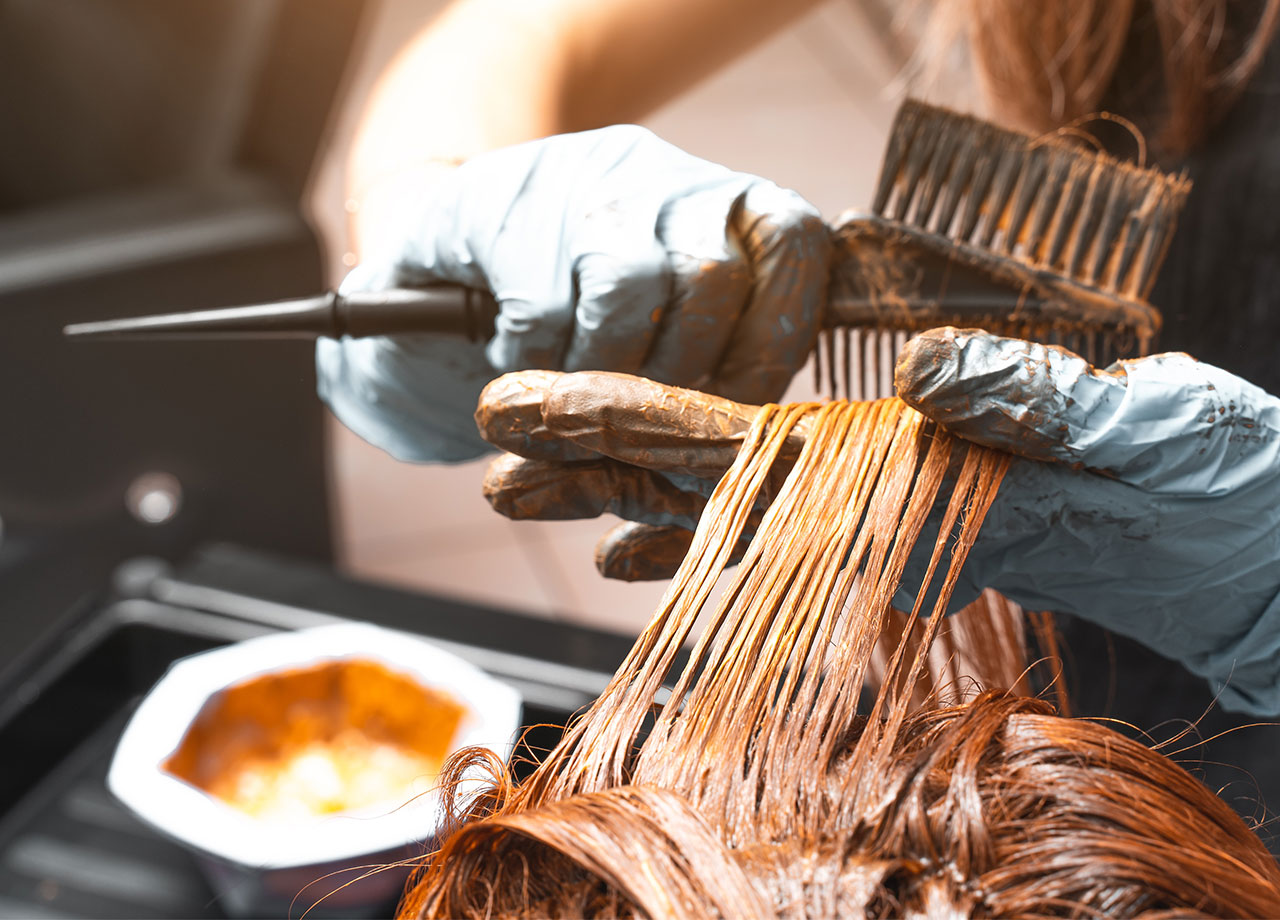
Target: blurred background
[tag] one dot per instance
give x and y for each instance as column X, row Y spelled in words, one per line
column 164, row 157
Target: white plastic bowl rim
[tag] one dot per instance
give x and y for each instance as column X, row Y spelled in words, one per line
column 137, row 776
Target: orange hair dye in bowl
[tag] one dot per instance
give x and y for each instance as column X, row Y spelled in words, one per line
column 334, row 737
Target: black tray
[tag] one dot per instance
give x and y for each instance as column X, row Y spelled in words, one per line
column 69, row 849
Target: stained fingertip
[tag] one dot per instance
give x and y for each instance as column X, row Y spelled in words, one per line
column 509, row 415
column 496, row 476
column 517, row 391
column 926, row 364
column 995, row 391
column 523, row 489
column 633, row 551
column 1034, row 400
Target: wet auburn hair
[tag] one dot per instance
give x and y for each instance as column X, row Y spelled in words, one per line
column 767, row 784
column 996, row 807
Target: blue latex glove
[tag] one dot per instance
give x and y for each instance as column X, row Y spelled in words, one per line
column 1160, row 519
column 608, row 250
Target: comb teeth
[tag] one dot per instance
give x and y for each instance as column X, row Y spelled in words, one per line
column 856, row 362
column 1045, row 203
column 1061, row 210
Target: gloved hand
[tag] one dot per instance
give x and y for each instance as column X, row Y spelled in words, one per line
column 583, row 444
column 1156, row 515
column 608, row 249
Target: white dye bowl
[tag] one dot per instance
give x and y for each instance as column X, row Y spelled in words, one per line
column 260, row 860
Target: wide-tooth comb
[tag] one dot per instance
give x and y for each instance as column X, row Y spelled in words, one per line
column 978, row 226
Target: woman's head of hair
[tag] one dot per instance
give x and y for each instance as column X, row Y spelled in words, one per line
column 767, row 785
column 996, row 806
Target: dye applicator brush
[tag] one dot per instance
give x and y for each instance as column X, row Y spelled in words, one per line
column 971, row 225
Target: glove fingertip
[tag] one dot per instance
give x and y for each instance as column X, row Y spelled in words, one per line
column 633, row 551
column 1023, row 397
column 925, row 368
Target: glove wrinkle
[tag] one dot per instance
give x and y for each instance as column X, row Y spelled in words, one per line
column 620, row 291
column 680, row 432
column 409, row 428
column 711, row 280
column 789, row 250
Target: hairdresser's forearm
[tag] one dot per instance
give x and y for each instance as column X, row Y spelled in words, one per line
column 488, row 73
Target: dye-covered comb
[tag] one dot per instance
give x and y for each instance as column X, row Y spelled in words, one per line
column 974, row 225
column 971, row 225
